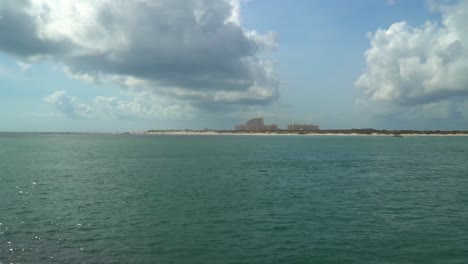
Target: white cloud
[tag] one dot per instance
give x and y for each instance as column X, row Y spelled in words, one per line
column 84, row 77
column 24, row 66
column 67, row 105
column 419, row 72
column 409, row 65
column 141, row 105
column 197, row 46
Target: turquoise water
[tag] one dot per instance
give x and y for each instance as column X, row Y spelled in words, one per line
column 233, row 199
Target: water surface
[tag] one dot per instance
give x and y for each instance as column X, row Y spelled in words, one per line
column 233, row 199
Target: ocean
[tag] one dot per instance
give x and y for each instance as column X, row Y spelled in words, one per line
column 233, row 199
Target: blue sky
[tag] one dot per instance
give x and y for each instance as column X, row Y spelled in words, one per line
column 90, row 66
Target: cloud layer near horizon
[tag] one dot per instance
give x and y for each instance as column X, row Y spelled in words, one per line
column 136, row 105
column 193, row 51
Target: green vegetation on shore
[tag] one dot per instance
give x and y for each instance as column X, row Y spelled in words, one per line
column 367, row 131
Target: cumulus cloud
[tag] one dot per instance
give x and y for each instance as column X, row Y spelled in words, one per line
column 141, row 105
column 136, row 105
column 196, row 50
column 416, row 75
column 67, row 105
column 409, row 65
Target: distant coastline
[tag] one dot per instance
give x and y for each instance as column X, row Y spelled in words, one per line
column 343, row 132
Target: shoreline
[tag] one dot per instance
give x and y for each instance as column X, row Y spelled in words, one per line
column 271, row 133
column 219, row 133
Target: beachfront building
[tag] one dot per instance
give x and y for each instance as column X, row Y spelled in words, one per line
column 256, row 124
column 302, row 127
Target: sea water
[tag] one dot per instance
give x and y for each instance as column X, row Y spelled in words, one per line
column 233, row 199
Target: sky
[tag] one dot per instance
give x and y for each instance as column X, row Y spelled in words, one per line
column 121, row 65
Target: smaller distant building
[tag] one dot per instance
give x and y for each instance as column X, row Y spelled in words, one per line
column 241, row 127
column 302, row 127
column 272, row 127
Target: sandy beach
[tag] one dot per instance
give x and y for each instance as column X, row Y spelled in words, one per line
column 222, row 133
